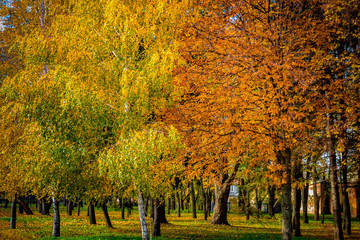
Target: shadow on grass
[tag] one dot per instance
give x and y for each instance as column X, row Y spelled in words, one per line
column 253, row 236
column 90, row 238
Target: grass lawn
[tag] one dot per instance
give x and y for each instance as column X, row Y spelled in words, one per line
column 185, row 227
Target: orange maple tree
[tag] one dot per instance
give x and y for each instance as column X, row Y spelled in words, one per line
column 245, row 85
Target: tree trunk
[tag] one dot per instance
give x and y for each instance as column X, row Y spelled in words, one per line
column 296, row 216
column 106, row 215
column 208, row 203
column 156, row 227
column 24, row 206
column 178, row 203
column 247, row 205
column 144, row 232
column 45, row 207
column 161, row 213
column 92, row 217
column 193, row 199
column 221, row 201
column 316, row 196
column 357, row 192
column 297, row 199
column 305, row 197
column 305, row 192
column 39, row 205
column 13, row 214
column 173, row 201
column 181, row 200
column 56, row 226
column 258, row 204
column 151, row 208
column 79, row 206
column 324, row 197
column 203, row 196
column 271, row 191
column 122, row 208
column 168, row 205
column 338, row 233
column 21, row 209
column 345, row 194
column 129, row 207
column 241, row 196
column 284, row 157
column 146, row 205
column 69, row 207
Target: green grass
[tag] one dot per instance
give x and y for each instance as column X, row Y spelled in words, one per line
column 185, row 227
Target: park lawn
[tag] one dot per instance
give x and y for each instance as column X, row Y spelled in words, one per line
column 185, row 227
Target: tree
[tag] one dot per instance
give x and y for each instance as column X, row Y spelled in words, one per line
column 254, row 58
column 141, row 157
column 339, row 72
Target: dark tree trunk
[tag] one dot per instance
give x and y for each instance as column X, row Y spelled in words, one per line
column 284, row 157
column 345, row 194
column 106, row 215
column 45, row 207
column 271, row 191
column 222, row 190
column 92, row 217
column 305, row 192
column 305, row 197
column 156, row 228
column 193, row 199
column 146, row 206
column 247, row 204
column 258, row 203
column 296, row 216
column 24, row 206
column 297, row 199
column 161, row 213
column 13, row 214
column 56, row 226
column 208, row 203
column 122, row 208
column 357, row 192
column 129, row 207
column 221, row 201
column 324, row 198
column 241, row 196
column 69, row 207
column 173, row 201
column 39, row 205
column 316, row 196
column 21, row 209
column 203, row 196
column 181, row 200
column 178, row 203
column 338, row 233
column 78, row 212
column 168, row 205
column 152, row 208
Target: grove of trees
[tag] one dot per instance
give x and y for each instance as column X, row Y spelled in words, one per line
column 107, row 100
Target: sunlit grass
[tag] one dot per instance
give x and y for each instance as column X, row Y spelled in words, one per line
column 185, row 227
